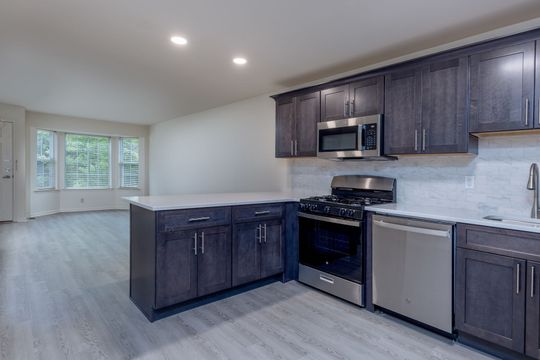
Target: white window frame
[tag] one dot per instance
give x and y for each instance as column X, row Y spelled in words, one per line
column 110, row 185
column 52, row 160
column 121, row 164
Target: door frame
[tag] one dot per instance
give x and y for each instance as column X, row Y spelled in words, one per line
column 13, row 167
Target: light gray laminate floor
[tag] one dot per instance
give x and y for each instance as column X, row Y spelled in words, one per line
column 64, row 295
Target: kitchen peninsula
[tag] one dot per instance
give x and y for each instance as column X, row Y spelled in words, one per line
column 190, row 249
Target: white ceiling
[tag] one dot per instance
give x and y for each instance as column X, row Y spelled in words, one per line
column 112, row 60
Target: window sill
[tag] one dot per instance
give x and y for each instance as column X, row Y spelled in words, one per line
column 129, row 188
column 46, row 190
column 86, row 189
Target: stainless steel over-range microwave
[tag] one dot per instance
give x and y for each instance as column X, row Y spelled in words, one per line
column 354, row 138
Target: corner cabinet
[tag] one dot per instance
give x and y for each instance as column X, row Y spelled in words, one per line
column 426, row 109
column 496, row 296
column 360, row 98
column 296, row 125
column 502, row 88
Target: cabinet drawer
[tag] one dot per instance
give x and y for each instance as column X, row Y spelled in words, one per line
column 174, row 220
column 520, row 244
column 255, row 212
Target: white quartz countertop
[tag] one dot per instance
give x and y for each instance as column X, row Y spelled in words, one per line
column 193, row 201
column 449, row 215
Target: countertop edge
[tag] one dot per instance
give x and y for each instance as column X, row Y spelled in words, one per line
column 209, row 205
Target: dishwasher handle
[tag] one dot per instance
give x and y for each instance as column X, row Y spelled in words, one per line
column 413, row 229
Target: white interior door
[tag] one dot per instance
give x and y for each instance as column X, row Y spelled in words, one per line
column 6, row 171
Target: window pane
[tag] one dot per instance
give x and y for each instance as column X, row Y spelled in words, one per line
column 45, row 160
column 129, row 162
column 87, row 162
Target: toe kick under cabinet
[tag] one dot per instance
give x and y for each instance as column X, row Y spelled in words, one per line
column 497, row 298
column 178, row 257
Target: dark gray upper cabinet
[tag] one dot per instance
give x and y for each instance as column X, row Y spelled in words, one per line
column 490, row 298
column 308, row 114
column 272, row 249
column 502, row 88
column 176, row 268
column 360, row 98
column 403, row 117
column 213, row 260
column 536, row 119
column 285, row 127
column 366, row 97
column 426, row 109
column 532, row 340
column 296, row 125
column 444, row 107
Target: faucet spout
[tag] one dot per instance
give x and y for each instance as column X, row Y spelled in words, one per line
column 532, row 184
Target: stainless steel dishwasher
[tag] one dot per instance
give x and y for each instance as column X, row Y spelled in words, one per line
column 413, row 269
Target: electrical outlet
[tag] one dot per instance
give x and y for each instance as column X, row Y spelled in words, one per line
column 469, row 182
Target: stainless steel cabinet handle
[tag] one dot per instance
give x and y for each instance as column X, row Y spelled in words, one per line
column 415, row 140
column 204, row 218
column 326, row 279
column 352, row 108
column 527, row 112
column 346, row 109
column 518, row 278
column 264, row 227
column 259, row 213
column 258, row 233
column 532, row 281
column 195, row 241
column 202, row 242
column 292, row 147
column 295, row 147
column 423, row 139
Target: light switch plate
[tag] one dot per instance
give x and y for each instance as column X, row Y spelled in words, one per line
column 469, row 182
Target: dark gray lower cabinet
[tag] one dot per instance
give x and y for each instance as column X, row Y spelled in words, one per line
column 213, row 260
column 257, row 251
column 490, row 298
column 176, row 268
column 532, row 340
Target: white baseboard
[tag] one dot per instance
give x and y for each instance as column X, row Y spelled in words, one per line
column 52, row 212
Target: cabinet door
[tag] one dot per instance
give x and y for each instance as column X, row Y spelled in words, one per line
column 285, row 127
column 502, row 87
column 272, row 249
column 367, row 97
column 490, row 298
column 176, row 268
column 246, row 253
column 214, row 260
column 334, row 103
column 444, row 107
column 402, row 112
column 532, row 340
column 308, row 114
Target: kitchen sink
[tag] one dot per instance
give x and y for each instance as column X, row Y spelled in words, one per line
column 534, row 223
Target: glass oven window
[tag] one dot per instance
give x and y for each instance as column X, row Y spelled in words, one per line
column 333, row 248
column 339, row 139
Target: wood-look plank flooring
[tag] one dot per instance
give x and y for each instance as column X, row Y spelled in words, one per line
column 64, row 295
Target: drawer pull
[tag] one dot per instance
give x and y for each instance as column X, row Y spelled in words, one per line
column 532, row 281
column 518, row 279
column 259, row 213
column 204, row 218
column 326, row 279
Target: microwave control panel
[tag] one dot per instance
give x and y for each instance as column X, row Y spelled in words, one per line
column 370, row 137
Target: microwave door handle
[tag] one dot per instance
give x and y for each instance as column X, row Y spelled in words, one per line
column 362, row 132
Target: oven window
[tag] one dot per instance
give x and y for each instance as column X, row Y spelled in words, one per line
column 333, row 248
column 339, row 139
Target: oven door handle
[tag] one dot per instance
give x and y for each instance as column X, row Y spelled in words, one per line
column 330, row 219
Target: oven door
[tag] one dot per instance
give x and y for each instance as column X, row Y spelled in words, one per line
column 332, row 245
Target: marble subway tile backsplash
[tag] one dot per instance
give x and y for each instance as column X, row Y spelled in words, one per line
column 500, row 169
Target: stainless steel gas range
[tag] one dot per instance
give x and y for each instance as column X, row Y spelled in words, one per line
column 331, row 232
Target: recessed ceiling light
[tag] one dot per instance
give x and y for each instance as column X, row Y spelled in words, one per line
column 178, row 40
column 239, row 61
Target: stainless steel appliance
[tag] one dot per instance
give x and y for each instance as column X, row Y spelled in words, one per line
column 354, row 138
column 413, row 269
column 332, row 247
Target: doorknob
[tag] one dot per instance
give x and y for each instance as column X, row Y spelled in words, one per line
column 6, row 177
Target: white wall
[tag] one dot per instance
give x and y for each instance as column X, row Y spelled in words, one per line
column 227, row 149
column 64, row 200
column 17, row 115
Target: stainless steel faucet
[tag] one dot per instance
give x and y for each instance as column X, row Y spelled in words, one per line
column 532, row 184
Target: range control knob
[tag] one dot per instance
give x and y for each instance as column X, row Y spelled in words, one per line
column 327, row 209
column 342, row 212
column 350, row 212
column 313, row 207
column 303, row 206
